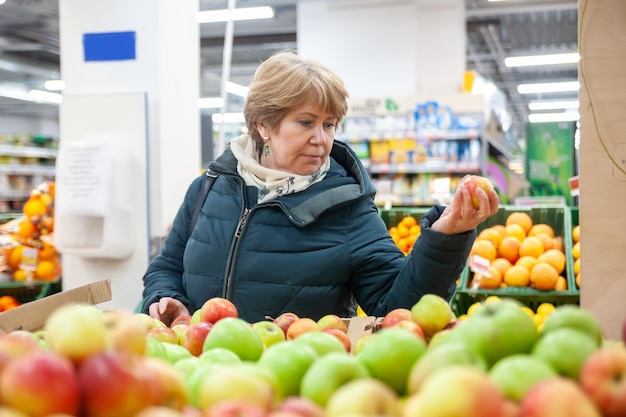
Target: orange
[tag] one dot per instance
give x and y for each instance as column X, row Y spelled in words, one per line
column 541, row 228
column 527, row 262
column 20, row 275
column 409, row 221
column 576, row 250
column 561, row 284
column 554, row 257
column 46, row 271
column 546, row 240
column 557, row 243
column 393, row 230
column 34, row 206
column 403, row 231
column 577, row 266
column 578, row 280
column 47, row 251
column 531, row 246
column 576, row 234
column 509, row 249
column 484, row 248
column 489, row 282
column 517, row 276
column 15, row 257
column 492, row 235
column 520, row 218
column 516, row 231
column 543, row 276
column 500, row 229
column 26, row 229
column 501, row 264
column 415, row 230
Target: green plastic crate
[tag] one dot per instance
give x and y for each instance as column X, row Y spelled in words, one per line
column 25, row 292
column 559, row 217
column 392, row 216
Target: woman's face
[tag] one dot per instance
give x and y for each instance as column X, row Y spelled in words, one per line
column 302, row 141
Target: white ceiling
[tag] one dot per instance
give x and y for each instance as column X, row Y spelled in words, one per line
column 29, row 46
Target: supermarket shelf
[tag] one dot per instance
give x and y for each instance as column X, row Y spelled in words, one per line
column 28, row 151
column 15, row 169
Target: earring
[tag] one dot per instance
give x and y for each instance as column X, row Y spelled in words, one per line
column 266, row 146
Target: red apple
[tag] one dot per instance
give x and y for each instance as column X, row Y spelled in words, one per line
column 301, row 326
column 472, row 183
column 603, row 378
column 411, row 326
column 125, row 332
column 41, row 384
column 394, row 316
column 169, row 384
column 182, row 319
column 285, row 320
column 164, row 334
column 235, row 408
column 332, row 321
column 341, row 335
column 300, row 406
column 216, row 308
column 116, row 383
column 180, row 329
column 160, row 411
column 558, row 396
column 194, row 336
column 16, row 344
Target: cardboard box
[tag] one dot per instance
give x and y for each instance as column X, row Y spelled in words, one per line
column 361, row 326
column 32, row 316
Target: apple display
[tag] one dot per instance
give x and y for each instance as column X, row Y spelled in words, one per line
column 16, row 344
column 182, row 319
column 193, row 379
column 301, row 326
column 459, row 391
column 235, row 408
column 146, row 321
column 159, row 411
column 363, row 397
column 155, row 349
column 559, row 396
column 516, row 374
column 219, row 356
column 11, row 412
column 170, row 389
column 394, row 316
column 76, row 331
column 124, row 332
column 432, row 313
column 195, row 335
column 175, row 352
column 413, row 327
column 288, row 362
column 298, row 406
column 115, row 383
column 269, row 332
column 328, row 373
column 360, row 343
column 285, row 320
column 180, row 329
column 339, row 335
column 321, row 342
column 565, row 350
column 393, row 369
column 237, row 335
column 41, row 384
column 186, row 365
column 603, row 379
column 475, row 182
column 445, row 355
column 164, row 334
column 332, row 321
column 573, row 316
column 217, row 308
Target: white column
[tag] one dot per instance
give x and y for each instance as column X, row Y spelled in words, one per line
column 165, row 153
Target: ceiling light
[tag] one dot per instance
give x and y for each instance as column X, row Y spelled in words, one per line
column 2, row 1
column 54, row 85
column 224, row 15
column 236, row 89
column 548, row 87
column 546, row 59
column 553, row 117
column 41, row 96
column 210, row 103
column 228, row 118
column 553, row 105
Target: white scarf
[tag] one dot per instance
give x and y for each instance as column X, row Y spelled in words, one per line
column 271, row 183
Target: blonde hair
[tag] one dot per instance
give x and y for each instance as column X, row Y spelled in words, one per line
column 286, row 81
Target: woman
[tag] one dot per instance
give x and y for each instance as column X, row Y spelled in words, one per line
column 290, row 223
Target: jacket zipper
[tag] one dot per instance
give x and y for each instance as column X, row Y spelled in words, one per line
column 230, row 272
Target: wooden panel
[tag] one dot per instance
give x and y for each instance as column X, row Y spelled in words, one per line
column 602, row 216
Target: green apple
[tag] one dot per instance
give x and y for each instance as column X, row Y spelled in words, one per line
column 269, row 332
column 445, row 355
column 497, row 330
column 196, row 317
column 288, row 362
column 361, row 342
column 155, row 349
column 175, row 352
column 328, row 373
column 244, row 381
column 321, row 342
column 193, row 379
column 390, row 354
column 566, row 350
column 432, row 313
column 363, row 397
column 332, row 321
column 185, row 365
column 459, row 391
column 573, row 316
column 516, row 374
column 219, row 356
column 439, row 339
column 237, row 335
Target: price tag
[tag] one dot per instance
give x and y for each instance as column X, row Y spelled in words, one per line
column 479, row 265
column 29, row 258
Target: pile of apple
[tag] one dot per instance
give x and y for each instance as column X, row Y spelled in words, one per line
column 422, row 361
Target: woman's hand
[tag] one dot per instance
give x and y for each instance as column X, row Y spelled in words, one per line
column 167, row 309
column 461, row 216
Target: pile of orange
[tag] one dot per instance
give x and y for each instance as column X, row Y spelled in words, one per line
column 405, row 233
column 576, row 253
column 520, row 253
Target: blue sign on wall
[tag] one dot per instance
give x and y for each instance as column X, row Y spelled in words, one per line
column 109, row 46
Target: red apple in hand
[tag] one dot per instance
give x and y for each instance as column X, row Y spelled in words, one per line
column 472, row 182
column 217, row 308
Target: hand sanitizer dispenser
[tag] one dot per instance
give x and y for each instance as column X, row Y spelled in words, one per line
column 93, row 204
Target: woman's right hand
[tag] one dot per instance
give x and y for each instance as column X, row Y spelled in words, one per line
column 167, row 309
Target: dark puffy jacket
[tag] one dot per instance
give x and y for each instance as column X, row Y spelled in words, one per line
column 311, row 253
